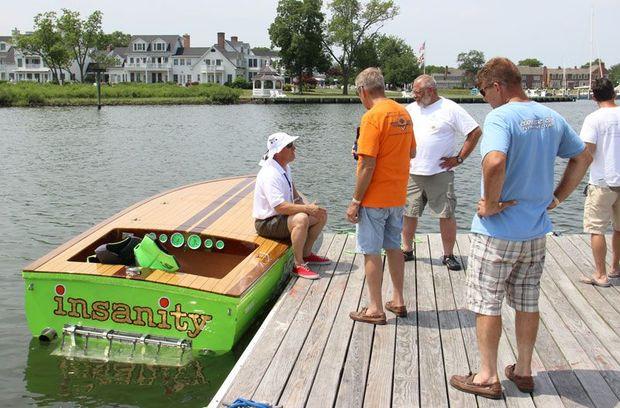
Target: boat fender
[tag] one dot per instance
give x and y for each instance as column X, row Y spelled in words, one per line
column 118, row 253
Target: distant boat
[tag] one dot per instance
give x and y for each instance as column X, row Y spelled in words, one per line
column 226, row 274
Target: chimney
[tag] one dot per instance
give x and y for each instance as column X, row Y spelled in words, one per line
column 220, row 39
column 185, row 40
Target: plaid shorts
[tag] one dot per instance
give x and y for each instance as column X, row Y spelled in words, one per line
column 498, row 267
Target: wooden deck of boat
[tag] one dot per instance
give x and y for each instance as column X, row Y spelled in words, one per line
column 218, row 208
column 308, row 353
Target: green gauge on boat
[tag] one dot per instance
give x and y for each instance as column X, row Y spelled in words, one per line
column 219, row 244
column 208, row 243
column 152, row 235
column 163, row 238
column 194, row 241
column 177, row 240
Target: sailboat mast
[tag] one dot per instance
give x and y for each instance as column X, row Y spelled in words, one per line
column 591, row 48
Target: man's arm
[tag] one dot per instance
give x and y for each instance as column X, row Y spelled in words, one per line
column 468, row 146
column 287, row 208
column 493, row 174
column 573, row 173
column 364, row 176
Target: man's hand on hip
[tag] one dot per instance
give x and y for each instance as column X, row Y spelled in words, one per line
column 488, row 208
column 448, row 163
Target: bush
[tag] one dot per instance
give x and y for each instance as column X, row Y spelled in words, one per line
column 288, row 88
column 241, row 83
column 7, row 98
column 223, row 95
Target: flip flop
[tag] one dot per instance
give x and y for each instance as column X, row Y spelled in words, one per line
column 613, row 275
column 591, row 281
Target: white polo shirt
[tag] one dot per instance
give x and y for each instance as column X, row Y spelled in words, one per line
column 435, row 128
column 274, row 185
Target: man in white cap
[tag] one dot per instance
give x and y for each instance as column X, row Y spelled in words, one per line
column 279, row 210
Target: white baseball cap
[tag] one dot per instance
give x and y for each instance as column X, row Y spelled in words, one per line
column 276, row 142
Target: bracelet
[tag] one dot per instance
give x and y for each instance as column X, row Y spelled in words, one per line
column 354, row 201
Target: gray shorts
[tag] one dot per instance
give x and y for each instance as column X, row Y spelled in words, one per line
column 498, row 267
column 275, row 227
column 437, row 191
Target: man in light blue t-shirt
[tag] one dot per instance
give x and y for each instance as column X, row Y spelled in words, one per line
column 521, row 140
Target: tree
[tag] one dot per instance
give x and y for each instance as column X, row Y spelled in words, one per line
column 46, row 42
column 435, row 69
column 614, row 74
column 350, row 25
column 396, row 60
column 594, row 62
column 297, row 31
column 365, row 56
column 80, row 36
column 114, row 39
column 530, row 62
column 470, row 62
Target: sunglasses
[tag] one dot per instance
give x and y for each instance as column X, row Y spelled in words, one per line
column 483, row 91
column 358, row 89
column 290, row 145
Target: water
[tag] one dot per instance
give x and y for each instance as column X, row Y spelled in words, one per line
column 66, row 169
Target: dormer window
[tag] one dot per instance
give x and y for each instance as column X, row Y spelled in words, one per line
column 159, row 46
column 139, row 47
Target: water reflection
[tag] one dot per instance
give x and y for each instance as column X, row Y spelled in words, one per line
column 51, row 380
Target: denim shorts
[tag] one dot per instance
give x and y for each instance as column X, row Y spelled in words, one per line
column 378, row 228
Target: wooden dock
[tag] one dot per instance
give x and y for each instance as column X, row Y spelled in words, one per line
column 309, row 353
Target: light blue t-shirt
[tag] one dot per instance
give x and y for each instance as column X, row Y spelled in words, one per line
column 531, row 135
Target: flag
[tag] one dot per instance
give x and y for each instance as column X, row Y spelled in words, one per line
column 421, row 52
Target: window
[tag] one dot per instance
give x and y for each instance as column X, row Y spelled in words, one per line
column 257, row 84
column 175, row 61
column 218, row 62
column 131, row 60
column 160, row 47
column 207, row 62
column 229, row 78
column 166, row 59
column 20, row 62
column 2, row 48
column 182, row 61
column 175, row 78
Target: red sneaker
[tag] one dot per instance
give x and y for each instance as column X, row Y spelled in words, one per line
column 317, row 260
column 303, row 271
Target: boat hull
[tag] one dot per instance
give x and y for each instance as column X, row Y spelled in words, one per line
column 211, row 321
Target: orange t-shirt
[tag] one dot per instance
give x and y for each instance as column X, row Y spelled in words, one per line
column 386, row 133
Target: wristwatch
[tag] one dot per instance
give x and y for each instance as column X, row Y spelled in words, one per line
column 459, row 159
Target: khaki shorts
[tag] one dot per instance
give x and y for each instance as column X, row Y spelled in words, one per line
column 499, row 268
column 437, row 191
column 602, row 206
column 275, row 227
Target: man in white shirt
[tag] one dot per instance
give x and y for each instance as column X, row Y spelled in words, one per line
column 280, row 212
column 601, row 133
column 436, row 121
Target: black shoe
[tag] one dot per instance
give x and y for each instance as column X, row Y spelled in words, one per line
column 451, row 262
column 409, row 256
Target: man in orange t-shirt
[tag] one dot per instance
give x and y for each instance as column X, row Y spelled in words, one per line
column 385, row 147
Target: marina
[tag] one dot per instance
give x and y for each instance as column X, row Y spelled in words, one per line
column 309, row 353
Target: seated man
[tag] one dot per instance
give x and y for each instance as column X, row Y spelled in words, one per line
column 280, row 212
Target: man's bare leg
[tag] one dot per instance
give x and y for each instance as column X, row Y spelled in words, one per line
column 316, row 226
column 298, row 226
column 410, row 224
column 599, row 250
column 374, row 280
column 526, row 327
column 396, row 264
column 447, row 227
column 615, row 260
column 488, row 333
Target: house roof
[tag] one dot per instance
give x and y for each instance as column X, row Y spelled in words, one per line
column 524, row 70
column 192, row 51
column 120, row 51
column 268, row 73
column 10, row 56
column 169, row 39
column 6, row 38
column 230, row 56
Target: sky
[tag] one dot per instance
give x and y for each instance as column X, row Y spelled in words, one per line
column 557, row 32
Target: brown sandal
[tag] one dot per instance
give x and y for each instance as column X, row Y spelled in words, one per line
column 400, row 311
column 361, row 316
column 466, row 383
column 524, row 384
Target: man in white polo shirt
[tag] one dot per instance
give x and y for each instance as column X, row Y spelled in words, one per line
column 601, row 133
column 280, row 212
column 436, row 121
